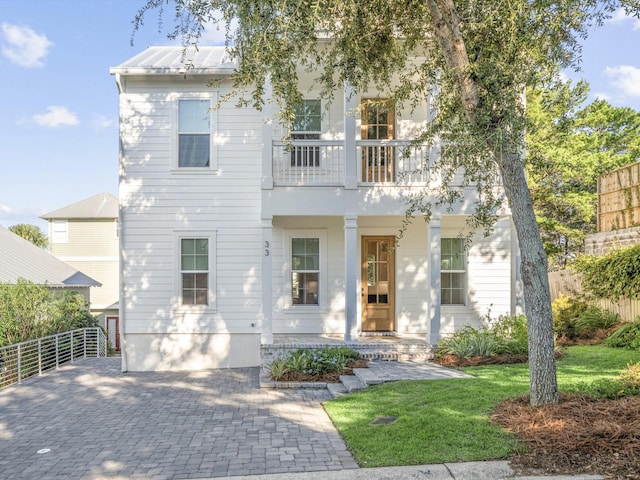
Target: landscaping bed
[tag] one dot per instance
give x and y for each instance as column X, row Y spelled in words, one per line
column 327, row 377
column 579, row 435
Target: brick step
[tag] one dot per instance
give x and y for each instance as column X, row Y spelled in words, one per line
column 336, row 389
column 352, row 383
column 367, row 376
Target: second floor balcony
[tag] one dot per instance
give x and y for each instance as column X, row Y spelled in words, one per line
column 334, row 162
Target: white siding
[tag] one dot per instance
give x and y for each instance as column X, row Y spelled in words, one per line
column 158, row 200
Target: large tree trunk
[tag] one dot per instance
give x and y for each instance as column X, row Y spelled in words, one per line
column 537, row 299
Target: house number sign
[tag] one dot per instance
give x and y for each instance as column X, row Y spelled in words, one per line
column 266, row 249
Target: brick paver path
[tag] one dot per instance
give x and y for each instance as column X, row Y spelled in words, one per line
column 92, row 422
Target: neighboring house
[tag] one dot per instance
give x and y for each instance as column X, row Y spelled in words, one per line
column 230, row 237
column 85, row 236
column 19, row 258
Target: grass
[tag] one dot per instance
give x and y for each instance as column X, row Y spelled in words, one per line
column 448, row 420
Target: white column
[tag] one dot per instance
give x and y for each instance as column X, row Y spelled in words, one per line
column 517, row 294
column 267, row 138
column 267, row 280
column 433, row 241
column 350, row 153
column 351, row 267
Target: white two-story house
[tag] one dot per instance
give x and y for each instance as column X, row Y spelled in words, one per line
column 231, row 237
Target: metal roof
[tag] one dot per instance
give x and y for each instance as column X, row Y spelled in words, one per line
column 20, row 258
column 103, row 205
column 177, row 60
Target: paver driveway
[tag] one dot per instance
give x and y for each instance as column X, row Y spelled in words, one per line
column 94, row 422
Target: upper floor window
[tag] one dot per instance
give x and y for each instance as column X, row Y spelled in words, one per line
column 306, row 126
column 194, row 142
column 60, row 231
column 453, row 271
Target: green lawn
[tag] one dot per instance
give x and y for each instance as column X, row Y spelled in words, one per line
column 448, row 420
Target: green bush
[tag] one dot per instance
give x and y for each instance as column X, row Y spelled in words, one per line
column 506, row 335
column 566, row 312
column 613, row 275
column 314, row 361
column 29, row 311
column 627, row 336
column 594, row 319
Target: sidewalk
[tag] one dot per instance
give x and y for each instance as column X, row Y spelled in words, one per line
column 449, row 471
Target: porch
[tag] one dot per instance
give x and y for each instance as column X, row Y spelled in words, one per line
column 413, row 348
column 336, row 162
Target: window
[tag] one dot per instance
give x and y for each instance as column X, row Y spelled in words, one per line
column 452, row 271
column 194, row 271
column 60, row 231
column 305, row 270
column 193, row 133
column 306, row 126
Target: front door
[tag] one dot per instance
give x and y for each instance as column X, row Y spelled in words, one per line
column 112, row 332
column 378, row 284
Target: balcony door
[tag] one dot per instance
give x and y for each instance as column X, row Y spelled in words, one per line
column 377, row 123
column 378, row 284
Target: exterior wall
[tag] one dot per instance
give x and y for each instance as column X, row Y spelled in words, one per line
column 92, row 248
column 490, row 280
column 489, row 275
column 159, row 203
column 601, row 243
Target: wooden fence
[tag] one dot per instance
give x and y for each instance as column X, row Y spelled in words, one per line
column 619, row 198
column 568, row 283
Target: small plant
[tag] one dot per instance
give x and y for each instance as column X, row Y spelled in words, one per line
column 631, row 374
column 594, row 319
column 627, row 336
column 314, row 361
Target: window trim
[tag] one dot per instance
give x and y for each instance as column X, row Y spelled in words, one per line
column 64, row 232
column 464, row 272
column 321, row 235
column 178, row 236
column 306, row 156
column 212, row 97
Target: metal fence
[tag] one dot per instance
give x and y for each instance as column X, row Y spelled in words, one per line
column 31, row 358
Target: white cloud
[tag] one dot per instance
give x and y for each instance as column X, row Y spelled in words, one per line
column 620, row 17
column 602, row 96
column 23, row 46
column 214, row 33
column 626, row 78
column 56, row 116
column 101, row 121
column 5, row 209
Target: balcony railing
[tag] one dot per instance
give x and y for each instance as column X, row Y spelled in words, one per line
column 323, row 162
column 27, row 359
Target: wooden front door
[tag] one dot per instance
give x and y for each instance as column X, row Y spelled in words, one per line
column 377, row 123
column 378, row 284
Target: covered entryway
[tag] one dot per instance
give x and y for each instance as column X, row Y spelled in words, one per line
column 113, row 333
column 378, row 284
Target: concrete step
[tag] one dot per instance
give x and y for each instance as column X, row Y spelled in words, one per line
column 367, row 376
column 351, row 383
column 336, row 389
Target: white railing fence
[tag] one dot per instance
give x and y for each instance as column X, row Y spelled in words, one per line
column 308, row 162
column 33, row 357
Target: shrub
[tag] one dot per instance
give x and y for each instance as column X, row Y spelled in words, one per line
column 594, row 319
column 507, row 334
column 626, row 336
column 314, row 361
column 566, row 312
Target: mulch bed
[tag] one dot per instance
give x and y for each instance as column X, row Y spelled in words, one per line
column 578, row 435
column 333, row 377
column 455, row 361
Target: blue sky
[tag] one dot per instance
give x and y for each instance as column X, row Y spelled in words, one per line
column 59, row 105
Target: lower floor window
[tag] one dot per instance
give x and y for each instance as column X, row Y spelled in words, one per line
column 305, row 270
column 194, row 269
column 452, row 271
